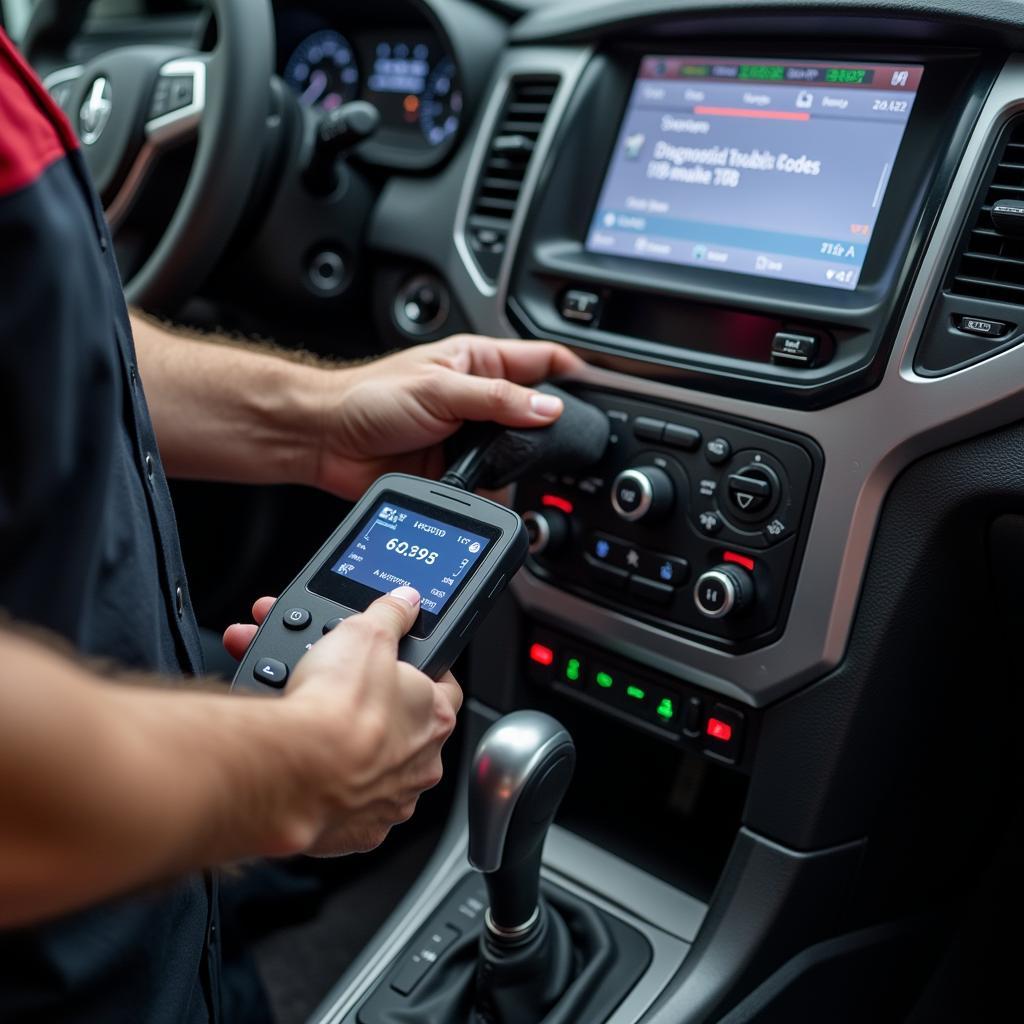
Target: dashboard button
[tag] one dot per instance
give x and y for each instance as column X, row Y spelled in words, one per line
column 753, row 491
column 610, row 551
column 651, row 591
column 664, row 710
column 664, row 569
column 794, row 349
column 606, row 575
column 982, row 327
column 644, row 492
column 332, row 624
column 678, row 436
column 723, row 590
column 271, row 672
column 580, row 306
column 647, row 429
column 717, row 451
column 296, row 618
column 723, row 733
column 709, row 523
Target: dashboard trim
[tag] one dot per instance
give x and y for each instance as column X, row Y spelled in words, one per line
column 867, row 441
column 484, row 132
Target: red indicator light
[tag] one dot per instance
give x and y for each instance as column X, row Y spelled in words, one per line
column 732, row 556
column 554, row 501
column 719, row 730
column 541, row 654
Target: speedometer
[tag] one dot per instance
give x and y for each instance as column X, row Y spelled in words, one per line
column 441, row 103
column 323, row 70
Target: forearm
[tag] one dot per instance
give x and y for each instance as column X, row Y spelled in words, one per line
column 107, row 788
column 225, row 411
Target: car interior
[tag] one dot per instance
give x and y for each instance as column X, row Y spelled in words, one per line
column 754, row 692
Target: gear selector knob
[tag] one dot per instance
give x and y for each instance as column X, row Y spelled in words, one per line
column 521, row 770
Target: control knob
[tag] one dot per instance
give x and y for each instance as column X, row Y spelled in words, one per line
column 644, row 492
column 548, row 529
column 723, row 590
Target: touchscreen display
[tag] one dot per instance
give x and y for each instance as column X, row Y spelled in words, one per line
column 399, row 546
column 773, row 168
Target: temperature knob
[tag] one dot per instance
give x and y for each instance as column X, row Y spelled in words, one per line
column 645, row 492
column 547, row 530
column 723, row 590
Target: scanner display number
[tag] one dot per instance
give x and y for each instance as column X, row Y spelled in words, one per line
column 403, row 547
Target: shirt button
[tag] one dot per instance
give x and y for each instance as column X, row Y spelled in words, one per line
column 179, row 601
column 150, row 466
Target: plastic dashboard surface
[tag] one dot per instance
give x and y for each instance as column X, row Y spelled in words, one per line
column 866, row 440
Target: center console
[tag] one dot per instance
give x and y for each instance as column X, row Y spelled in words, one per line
column 751, row 235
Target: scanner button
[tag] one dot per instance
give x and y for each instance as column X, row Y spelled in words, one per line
column 331, row 624
column 271, row 672
column 296, row 618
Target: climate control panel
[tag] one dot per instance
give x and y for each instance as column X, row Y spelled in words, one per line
column 690, row 521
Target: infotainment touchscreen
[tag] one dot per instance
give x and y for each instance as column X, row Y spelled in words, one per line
column 772, row 168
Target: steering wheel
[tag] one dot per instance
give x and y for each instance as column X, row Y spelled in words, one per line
column 131, row 105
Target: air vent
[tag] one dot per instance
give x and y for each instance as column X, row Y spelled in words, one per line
column 515, row 138
column 991, row 264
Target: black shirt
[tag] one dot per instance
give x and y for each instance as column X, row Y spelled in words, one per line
column 88, row 547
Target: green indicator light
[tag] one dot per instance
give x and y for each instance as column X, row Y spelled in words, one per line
column 572, row 670
column 604, row 680
column 666, row 709
column 695, row 71
column 635, row 692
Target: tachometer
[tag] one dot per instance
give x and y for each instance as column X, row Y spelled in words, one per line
column 441, row 103
column 323, row 70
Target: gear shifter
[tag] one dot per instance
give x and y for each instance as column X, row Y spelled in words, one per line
column 520, row 773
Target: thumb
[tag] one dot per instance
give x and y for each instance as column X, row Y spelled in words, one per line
column 395, row 613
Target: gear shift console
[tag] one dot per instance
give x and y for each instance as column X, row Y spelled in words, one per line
column 520, row 773
column 501, row 947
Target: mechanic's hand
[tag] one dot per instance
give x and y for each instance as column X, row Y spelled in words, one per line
column 373, row 727
column 392, row 415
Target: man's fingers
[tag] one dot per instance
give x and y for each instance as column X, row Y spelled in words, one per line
column 237, row 638
column 261, row 609
column 459, row 396
column 451, row 690
column 528, row 361
column 391, row 616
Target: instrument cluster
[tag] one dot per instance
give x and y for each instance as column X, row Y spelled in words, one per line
column 396, row 60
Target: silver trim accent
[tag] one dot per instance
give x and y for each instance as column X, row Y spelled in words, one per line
column 730, row 594
column 867, row 441
column 516, row 65
column 543, row 528
column 646, row 495
column 511, row 933
column 62, row 75
column 506, row 759
column 95, row 110
column 161, row 133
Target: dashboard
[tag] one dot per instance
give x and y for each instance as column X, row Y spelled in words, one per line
column 391, row 57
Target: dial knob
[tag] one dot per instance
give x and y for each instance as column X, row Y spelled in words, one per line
column 547, row 530
column 645, row 492
column 723, row 590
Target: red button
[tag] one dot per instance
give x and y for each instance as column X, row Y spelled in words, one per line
column 541, row 654
column 719, row 730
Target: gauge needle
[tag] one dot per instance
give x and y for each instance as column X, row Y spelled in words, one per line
column 315, row 89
